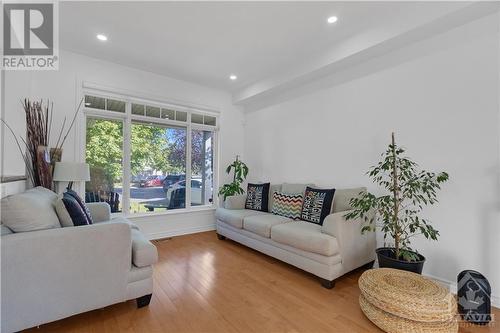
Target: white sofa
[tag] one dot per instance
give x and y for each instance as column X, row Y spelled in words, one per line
column 327, row 251
column 55, row 273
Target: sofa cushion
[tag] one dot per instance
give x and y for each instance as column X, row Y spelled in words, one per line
column 123, row 220
column 235, row 217
column 288, row 188
column 29, row 211
column 317, row 205
column 262, row 224
column 287, row 205
column 235, row 201
column 100, row 211
column 144, row 253
column 258, row 197
column 305, row 236
column 342, row 198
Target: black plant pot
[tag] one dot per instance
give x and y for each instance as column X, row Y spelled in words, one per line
column 386, row 259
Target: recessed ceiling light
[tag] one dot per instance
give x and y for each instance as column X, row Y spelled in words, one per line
column 332, row 19
column 232, row 77
column 102, row 37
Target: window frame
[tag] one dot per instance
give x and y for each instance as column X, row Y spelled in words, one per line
column 128, row 118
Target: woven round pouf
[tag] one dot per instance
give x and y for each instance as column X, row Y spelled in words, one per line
column 400, row 301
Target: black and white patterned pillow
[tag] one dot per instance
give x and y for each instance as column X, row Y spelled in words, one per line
column 258, row 197
column 317, row 205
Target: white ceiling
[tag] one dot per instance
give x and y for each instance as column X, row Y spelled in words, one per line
column 204, row 42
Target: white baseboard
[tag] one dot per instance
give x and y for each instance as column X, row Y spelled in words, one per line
column 452, row 287
column 179, row 232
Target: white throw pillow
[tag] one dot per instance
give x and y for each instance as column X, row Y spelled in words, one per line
column 30, row 211
column 62, row 213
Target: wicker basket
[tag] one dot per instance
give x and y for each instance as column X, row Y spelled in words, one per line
column 394, row 324
column 400, row 301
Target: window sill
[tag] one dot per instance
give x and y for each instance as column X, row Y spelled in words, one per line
column 168, row 212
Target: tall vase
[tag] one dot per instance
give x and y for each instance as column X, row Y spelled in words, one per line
column 45, row 162
column 43, row 167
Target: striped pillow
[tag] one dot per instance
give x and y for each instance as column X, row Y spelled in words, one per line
column 288, row 205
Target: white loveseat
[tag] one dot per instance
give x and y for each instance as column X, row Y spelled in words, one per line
column 55, row 273
column 327, row 251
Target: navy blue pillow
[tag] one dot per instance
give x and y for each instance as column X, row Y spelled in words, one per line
column 74, row 210
column 317, row 205
column 82, row 205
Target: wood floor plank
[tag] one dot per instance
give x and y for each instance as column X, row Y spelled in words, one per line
column 201, row 284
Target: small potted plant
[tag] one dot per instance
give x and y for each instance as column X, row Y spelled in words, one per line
column 240, row 174
column 397, row 212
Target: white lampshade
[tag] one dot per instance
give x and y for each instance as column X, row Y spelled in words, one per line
column 71, row 172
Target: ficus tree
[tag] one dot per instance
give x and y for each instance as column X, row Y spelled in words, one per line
column 398, row 211
column 240, row 170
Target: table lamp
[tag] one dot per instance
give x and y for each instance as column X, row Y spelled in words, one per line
column 71, row 172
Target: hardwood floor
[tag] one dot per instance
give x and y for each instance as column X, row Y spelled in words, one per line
column 202, row 284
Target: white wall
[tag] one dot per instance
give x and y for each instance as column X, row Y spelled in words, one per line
column 444, row 108
column 62, row 87
column 12, row 94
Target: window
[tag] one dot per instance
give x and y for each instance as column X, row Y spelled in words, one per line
column 95, row 102
column 138, row 109
column 152, row 111
column 114, row 105
column 201, row 167
column 139, row 155
column 104, row 154
column 203, row 119
column 158, row 151
column 102, row 103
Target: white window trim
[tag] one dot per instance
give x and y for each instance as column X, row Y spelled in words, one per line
column 87, row 88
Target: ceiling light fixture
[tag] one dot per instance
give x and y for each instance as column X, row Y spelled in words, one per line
column 232, row 77
column 332, row 19
column 102, row 37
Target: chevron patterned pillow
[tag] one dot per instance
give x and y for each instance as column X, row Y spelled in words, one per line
column 288, row 205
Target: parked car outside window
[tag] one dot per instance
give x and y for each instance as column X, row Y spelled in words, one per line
column 151, row 181
column 180, row 190
column 171, row 180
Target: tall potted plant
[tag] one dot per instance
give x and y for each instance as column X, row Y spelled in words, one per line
column 240, row 170
column 397, row 212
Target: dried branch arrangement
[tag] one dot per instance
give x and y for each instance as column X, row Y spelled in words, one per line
column 38, row 157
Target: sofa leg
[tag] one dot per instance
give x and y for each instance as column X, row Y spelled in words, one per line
column 369, row 265
column 143, row 301
column 327, row 283
column 221, row 237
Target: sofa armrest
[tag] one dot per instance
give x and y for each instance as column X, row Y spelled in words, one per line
column 55, row 273
column 235, row 201
column 100, row 211
column 356, row 248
